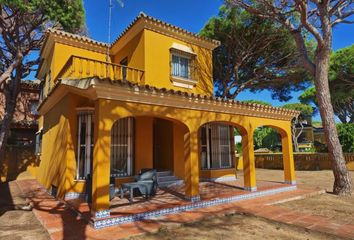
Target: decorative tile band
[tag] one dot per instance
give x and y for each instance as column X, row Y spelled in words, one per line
column 193, row 198
column 250, row 189
column 194, row 205
column 102, row 214
column 74, row 195
column 219, row 179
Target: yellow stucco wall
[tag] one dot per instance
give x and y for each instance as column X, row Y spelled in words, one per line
column 52, row 168
column 157, row 63
column 134, row 51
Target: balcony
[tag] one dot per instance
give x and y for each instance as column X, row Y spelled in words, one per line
column 80, row 67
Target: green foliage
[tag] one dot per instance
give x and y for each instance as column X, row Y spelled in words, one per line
column 69, row 14
column 306, row 110
column 308, row 96
column 238, row 147
column 246, row 58
column 258, row 102
column 317, row 124
column 346, row 136
column 266, row 137
column 341, row 81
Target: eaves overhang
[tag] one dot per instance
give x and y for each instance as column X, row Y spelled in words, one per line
column 95, row 88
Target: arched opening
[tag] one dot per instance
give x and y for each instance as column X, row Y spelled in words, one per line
column 273, row 150
column 267, row 140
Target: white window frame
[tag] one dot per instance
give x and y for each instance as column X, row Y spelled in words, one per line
column 182, row 51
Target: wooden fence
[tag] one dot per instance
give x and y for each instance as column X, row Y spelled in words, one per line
column 303, row 161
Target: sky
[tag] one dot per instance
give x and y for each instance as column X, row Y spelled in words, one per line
column 188, row 14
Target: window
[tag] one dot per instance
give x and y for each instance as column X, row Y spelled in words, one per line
column 122, row 147
column 84, row 144
column 39, row 135
column 182, row 60
column 216, row 146
column 33, row 105
column 180, row 66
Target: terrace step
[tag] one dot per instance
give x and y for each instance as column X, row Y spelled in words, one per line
column 164, row 173
column 171, row 183
column 166, row 178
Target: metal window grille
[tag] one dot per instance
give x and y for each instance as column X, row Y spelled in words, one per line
column 122, row 147
column 216, row 150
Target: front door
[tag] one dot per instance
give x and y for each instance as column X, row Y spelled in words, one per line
column 163, row 145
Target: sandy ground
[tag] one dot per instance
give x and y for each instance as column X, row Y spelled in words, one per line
column 19, row 224
column 234, row 227
column 239, row 226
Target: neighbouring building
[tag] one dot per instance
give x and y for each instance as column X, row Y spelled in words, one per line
column 312, row 137
column 148, row 104
column 23, row 129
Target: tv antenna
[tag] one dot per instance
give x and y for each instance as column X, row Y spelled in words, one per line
column 121, row 3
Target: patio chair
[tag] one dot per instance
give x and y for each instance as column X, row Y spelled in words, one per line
column 145, row 184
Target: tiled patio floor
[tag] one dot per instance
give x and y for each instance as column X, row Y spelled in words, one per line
column 171, row 200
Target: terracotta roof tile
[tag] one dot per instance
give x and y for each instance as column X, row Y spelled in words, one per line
column 166, row 25
column 77, row 37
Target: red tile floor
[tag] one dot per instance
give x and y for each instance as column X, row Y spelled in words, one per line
column 61, row 223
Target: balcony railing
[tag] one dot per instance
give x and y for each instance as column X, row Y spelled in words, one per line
column 80, row 67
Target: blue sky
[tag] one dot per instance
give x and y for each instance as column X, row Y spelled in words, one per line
column 190, row 15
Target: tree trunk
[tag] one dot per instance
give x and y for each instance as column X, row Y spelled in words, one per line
column 293, row 130
column 342, row 179
column 11, row 91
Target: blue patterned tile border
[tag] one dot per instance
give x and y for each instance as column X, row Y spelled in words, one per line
column 102, row 214
column 102, row 223
column 290, row 182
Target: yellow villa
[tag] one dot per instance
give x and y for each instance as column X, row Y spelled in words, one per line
column 144, row 101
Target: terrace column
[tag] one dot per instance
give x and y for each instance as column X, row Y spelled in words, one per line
column 191, row 165
column 288, row 156
column 249, row 170
column 101, row 163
